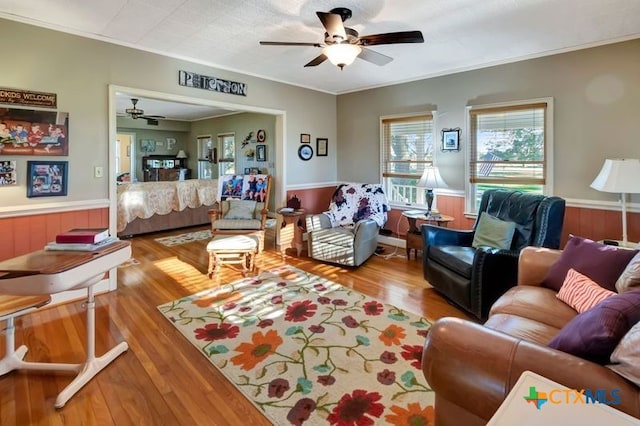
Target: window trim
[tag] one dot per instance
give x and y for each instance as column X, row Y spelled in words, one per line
column 547, row 187
column 407, row 117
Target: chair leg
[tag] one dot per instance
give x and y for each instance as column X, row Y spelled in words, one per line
column 213, row 264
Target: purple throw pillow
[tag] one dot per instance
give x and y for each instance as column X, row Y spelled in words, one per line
column 594, row 334
column 602, row 263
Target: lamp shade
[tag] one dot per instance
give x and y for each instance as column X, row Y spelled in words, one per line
column 341, row 54
column 619, row 175
column 181, row 154
column 431, row 179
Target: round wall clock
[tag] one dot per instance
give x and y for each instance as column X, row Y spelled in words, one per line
column 261, row 136
column 305, row 152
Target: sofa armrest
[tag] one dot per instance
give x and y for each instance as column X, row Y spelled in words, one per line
column 476, row 367
column 534, row 264
column 438, row 236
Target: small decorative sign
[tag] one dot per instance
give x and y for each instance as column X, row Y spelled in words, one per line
column 191, row 79
column 27, row 97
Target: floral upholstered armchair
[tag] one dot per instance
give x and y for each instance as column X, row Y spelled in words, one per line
column 348, row 232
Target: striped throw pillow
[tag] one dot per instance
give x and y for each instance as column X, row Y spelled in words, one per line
column 580, row 292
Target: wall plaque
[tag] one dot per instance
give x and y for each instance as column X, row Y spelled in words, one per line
column 191, row 79
column 27, row 97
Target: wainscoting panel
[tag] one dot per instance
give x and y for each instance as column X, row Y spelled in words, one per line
column 596, row 224
column 313, row 200
column 24, row 234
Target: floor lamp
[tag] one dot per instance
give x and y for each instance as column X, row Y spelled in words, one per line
column 431, row 180
column 619, row 175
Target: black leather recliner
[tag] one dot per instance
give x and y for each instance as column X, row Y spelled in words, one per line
column 474, row 278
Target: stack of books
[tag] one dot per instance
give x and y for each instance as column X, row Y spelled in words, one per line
column 82, row 239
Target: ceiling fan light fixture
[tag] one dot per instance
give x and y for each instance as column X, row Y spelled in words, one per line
column 342, row 54
column 134, row 112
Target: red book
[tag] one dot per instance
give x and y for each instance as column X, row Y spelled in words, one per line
column 83, row 235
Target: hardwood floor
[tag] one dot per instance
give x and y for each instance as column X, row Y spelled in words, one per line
column 162, row 379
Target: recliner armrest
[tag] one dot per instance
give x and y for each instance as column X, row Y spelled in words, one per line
column 315, row 222
column 493, row 272
column 364, row 229
column 439, row 236
column 476, row 367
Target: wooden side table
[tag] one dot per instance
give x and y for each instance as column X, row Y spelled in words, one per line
column 289, row 233
column 414, row 236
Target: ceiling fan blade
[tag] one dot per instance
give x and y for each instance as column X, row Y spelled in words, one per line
column 153, row 117
column 333, row 24
column 288, row 43
column 317, row 60
column 374, row 57
column 392, row 38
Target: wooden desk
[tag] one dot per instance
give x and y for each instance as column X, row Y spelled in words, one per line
column 289, row 233
column 414, row 236
column 49, row 272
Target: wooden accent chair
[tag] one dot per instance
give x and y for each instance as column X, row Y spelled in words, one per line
column 241, row 213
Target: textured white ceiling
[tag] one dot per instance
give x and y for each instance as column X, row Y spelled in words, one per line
column 459, row 34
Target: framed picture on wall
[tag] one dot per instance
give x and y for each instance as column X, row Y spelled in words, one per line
column 305, row 138
column 147, row 145
column 47, row 178
column 33, row 132
column 322, row 146
column 451, row 139
column 8, row 173
column 261, row 153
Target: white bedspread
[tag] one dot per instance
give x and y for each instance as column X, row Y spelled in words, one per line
column 144, row 199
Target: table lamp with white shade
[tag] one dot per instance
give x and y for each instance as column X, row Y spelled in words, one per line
column 619, row 175
column 431, row 180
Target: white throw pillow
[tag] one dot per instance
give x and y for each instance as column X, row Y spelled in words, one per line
column 240, row 209
column 630, row 277
column 625, row 359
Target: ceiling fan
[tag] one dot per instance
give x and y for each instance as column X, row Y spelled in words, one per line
column 342, row 45
column 136, row 113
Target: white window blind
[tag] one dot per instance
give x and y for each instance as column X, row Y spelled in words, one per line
column 507, row 145
column 407, row 146
column 406, row 149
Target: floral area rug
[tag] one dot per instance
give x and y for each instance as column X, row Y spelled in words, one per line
column 309, row 351
column 175, row 240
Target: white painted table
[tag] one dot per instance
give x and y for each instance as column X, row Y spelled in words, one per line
column 49, row 272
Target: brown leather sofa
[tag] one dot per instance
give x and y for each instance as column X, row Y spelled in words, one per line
column 472, row 367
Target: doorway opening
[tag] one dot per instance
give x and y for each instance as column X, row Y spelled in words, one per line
column 116, row 92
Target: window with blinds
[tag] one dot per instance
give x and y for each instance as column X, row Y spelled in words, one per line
column 407, row 148
column 507, row 147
